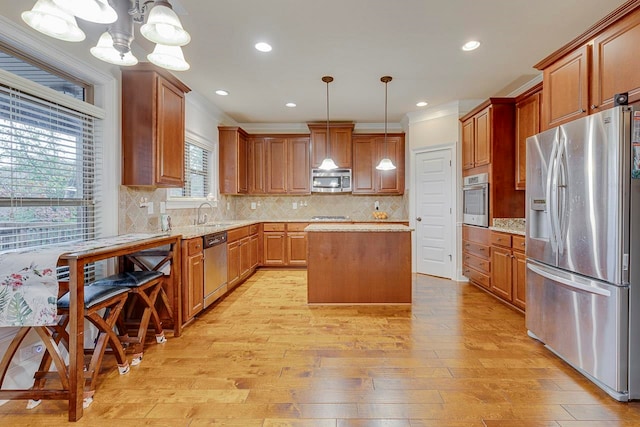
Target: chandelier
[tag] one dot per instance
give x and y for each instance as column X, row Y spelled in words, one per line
column 57, row 18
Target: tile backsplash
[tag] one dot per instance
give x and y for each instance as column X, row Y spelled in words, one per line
column 134, row 218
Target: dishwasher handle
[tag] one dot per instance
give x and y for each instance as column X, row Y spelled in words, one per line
column 216, row 239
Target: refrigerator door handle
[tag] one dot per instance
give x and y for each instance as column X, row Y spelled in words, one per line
column 578, row 284
column 550, row 194
column 559, row 181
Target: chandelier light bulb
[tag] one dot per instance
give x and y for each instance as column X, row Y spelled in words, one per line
column 164, row 27
column 98, row 11
column 47, row 18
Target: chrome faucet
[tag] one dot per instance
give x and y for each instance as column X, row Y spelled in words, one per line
column 203, row 219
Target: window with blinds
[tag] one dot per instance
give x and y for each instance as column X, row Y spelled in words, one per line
column 48, row 171
column 197, row 173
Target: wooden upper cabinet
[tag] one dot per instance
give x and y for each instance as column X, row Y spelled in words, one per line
column 233, row 163
column 482, row 148
column 276, row 169
column 257, row 163
column 153, row 109
column 298, row 169
column 468, row 158
column 528, row 112
column 616, row 61
column 566, row 88
column 583, row 76
column 340, row 141
column 286, row 169
column 368, row 150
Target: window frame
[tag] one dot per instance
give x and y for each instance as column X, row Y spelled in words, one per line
column 173, row 202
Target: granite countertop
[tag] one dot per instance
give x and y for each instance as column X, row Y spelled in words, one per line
column 509, row 225
column 191, row 231
column 358, row 228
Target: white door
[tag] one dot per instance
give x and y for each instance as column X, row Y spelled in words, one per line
column 435, row 230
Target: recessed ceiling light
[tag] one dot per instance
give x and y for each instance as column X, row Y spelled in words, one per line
column 471, row 45
column 290, row 104
column 222, row 92
column 422, row 104
column 263, row 47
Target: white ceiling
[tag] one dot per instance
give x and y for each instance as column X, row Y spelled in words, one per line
column 417, row 42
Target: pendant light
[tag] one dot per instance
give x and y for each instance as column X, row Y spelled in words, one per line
column 49, row 19
column 328, row 163
column 385, row 164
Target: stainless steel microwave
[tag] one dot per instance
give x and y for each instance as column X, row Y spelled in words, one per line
column 332, row 181
column 475, row 200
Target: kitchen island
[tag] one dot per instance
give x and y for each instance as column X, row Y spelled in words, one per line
column 358, row 264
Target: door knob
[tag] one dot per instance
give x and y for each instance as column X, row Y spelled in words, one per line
column 419, row 219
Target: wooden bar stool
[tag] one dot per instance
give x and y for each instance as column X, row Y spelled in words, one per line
column 144, row 288
column 97, row 299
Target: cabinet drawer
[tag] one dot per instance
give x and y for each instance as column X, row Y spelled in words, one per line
column 481, row 264
column 518, row 243
column 271, row 226
column 477, row 249
column 475, row 234
column 296, row 226
column 477, row 277
column 253, row 229
column 501, row 239
column 194, row 246
column 237, row 234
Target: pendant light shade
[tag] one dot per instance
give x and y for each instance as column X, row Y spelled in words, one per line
column 164, row 27
column 385, row 164
column 47, row 18
column 328, row 163
column 105, row 51
column 169, row 57
column 98, row 11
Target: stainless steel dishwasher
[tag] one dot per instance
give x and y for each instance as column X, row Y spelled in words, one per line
column 215, row 266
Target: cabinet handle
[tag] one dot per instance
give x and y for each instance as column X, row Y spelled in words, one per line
column 482, row 249
column 583, row 110
column 467, row 245
column 594, row 106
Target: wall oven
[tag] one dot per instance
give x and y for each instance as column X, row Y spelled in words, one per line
column 475, row 200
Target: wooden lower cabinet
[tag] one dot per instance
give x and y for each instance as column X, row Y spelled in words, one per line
column 508, row 268
column 284, row 245
column 242, row 254
column 233, row 264
column 476, row 261
column 192, row 278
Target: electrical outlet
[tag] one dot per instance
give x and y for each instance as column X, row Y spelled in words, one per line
column 294, row 205
column 253, row 205
column 31, row 351
column 376, row 205
column 163, row 207
column 150, row 208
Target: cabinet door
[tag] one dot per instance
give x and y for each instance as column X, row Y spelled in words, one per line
column 245, row 258
column 232, row 162
column 170, row 135
column 467, row 144
column 243, row 155
column 482, row 148
column 233, row 264
column 254, row 251
column 362, row 175
column 194, row 295
column 274, row 245
column 299, row 174
column 390, row 182
column 519, row 279
column 276, row 165
column 341, row 146
column 297, row 248
column 501, row 272
column 565, row 95
column 616, row 61
column 257, row 162
column 527, row 124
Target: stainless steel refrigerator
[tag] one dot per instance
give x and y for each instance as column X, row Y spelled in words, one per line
column 583, row 246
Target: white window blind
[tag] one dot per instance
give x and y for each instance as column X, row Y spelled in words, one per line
column 197, row 173
column 48, row 171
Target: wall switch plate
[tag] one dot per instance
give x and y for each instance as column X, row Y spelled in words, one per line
column 150, row 208
column 253, row 205
column 294, row 205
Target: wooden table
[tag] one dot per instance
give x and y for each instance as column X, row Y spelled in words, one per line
column 76, row 262
column 358, row 264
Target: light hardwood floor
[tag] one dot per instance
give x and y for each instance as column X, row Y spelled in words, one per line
column 262, row 357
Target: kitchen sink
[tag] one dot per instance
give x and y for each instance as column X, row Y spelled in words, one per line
column 330, row 217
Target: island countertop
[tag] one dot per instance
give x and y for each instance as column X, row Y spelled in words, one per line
column 368, row 227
